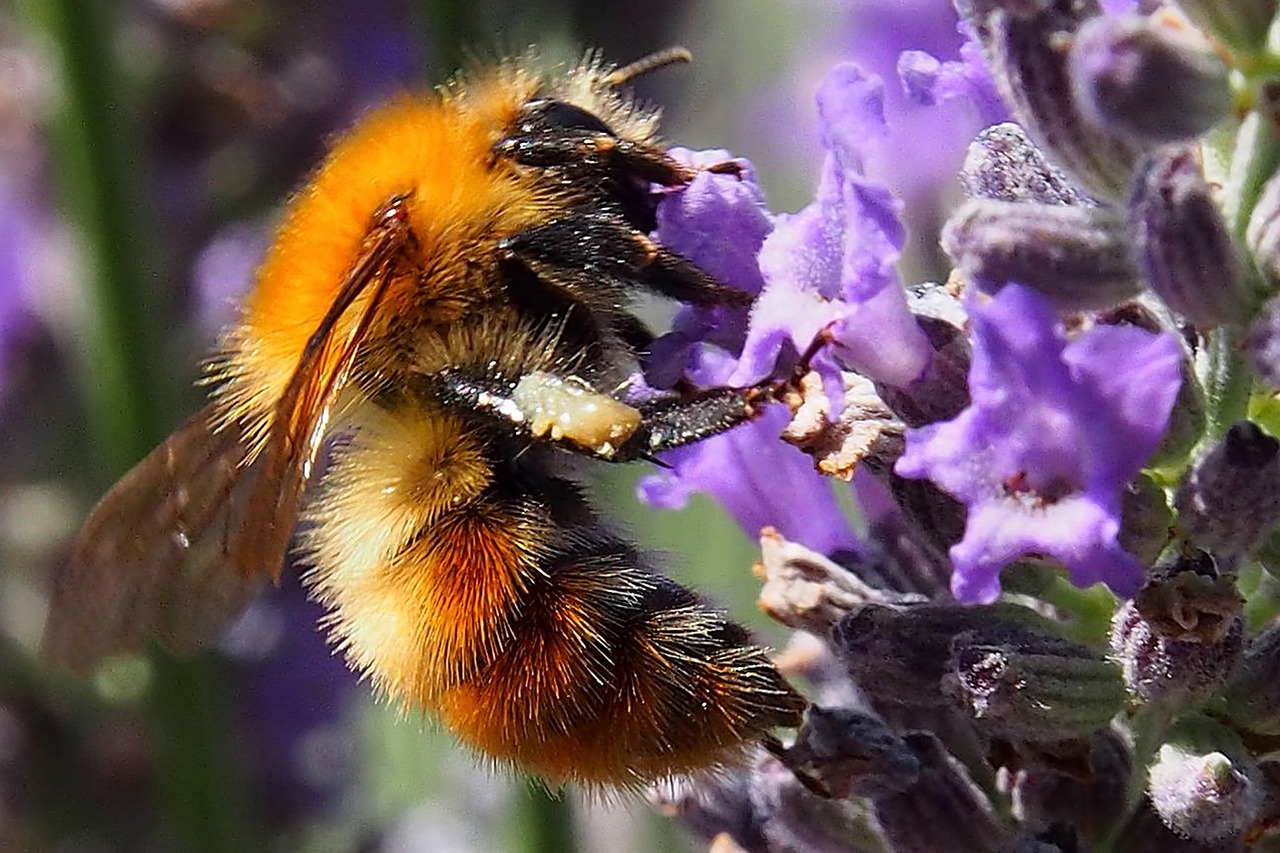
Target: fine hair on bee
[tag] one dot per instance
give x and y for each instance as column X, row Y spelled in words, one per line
column 448, row 293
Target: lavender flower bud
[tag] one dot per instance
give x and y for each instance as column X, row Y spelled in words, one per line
column 1242, row 24
column 1024, row 48
column 1230, row 499
column 1262, row 343
column 1181, row 636
column 942, row 391
column 1077, row 256
column 1089, row 796
column 1204, row 784
column 1181, row 241
column 943, row 810
column 899, row 654
column 954, row 730
column 931, row 512
column 1253, row 695
column 792, row 818
column 804, row 589
column 1146, row 522
column 908, row 562
column 1002, row 164
column 1146, row 79
column 1057, row 839
column 1262, row 235
column 1145, row 832
column 852, row 753
column 719, row 806
column 1034, row 688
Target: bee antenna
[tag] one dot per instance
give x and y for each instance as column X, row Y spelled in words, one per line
column 645, row 64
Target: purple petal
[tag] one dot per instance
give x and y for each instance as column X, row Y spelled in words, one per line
column 760, row 481
column 1052, row 435
column 832, row 264
column 929, row 81
column 718, row 222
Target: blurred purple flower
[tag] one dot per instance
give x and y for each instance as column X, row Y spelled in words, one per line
column 927, row 80
column 925, row 143
column 223, row 271
column 1053, row 434
column 17, row 243
column 293, row 694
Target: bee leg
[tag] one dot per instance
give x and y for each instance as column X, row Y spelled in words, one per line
column 633, row 331
column 561, row 410
column 567, row 412
column 668, row 423
column 585, row 149
column 575, row 252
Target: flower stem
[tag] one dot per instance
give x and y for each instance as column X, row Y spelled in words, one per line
column 123, row 392
column 1148, row 726
column 546, row 822
column 1228, row 382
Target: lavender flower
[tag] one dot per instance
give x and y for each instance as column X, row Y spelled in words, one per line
column 835, row 258
column 1052, row 436
column 17, row 238
column 827, row 269
column 929, row 80
column 1091, row 437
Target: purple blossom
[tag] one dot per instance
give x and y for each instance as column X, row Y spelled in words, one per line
column 928, row 80
column 223, row 271
column 924, row 143
column 759, row 481
column 1053, row 434
column 17, row 240
column 831, row 266
column 719, row 222
column 293, row 695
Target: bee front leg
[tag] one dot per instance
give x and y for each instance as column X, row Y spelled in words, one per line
column 668, row 423
column 568, row 412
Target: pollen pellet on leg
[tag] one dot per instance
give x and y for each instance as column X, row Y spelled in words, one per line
column 572, row 411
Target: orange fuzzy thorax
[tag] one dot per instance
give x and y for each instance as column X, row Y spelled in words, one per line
column 436, row 149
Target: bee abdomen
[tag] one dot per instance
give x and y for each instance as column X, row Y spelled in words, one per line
column 619, row 676
column 488, row 592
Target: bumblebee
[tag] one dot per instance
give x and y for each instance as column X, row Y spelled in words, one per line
column 445, row 306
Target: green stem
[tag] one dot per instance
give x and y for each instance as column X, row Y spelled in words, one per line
column 1254, row 160
column 545, row 823
column 92, row 173
column 119, row 372
column 1228, row 382
column 1148, row 726
column 450, row 28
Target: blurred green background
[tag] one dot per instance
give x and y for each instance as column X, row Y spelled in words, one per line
column 145, row 146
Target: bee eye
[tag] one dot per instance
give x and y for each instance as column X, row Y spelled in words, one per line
column 566, row 116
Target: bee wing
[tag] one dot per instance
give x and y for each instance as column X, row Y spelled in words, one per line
column 177, row 547
column 302, row 414
column 151, row 559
